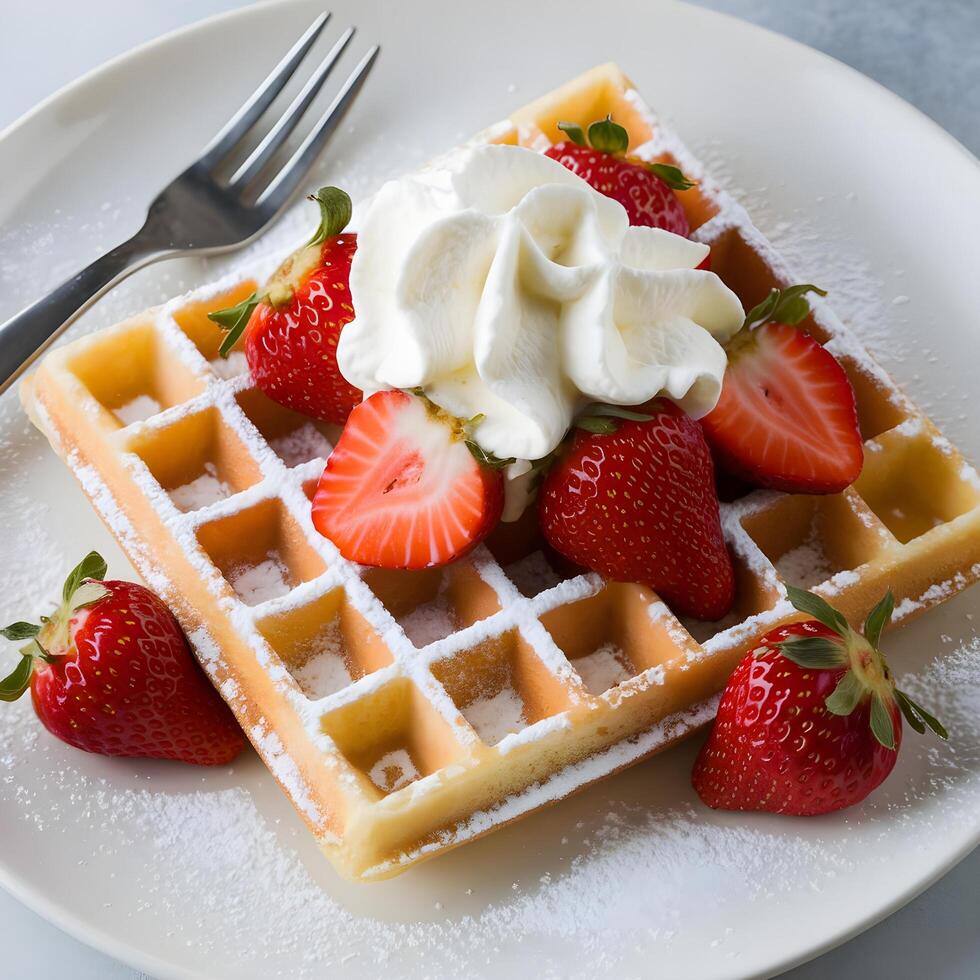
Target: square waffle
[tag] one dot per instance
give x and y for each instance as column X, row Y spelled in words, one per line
column 407, row 712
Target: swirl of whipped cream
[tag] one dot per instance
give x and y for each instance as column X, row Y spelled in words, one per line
column 504, row 286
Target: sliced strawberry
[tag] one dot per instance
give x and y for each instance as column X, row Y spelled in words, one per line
column 403, row 489
column 645, row 190
column 786, row 418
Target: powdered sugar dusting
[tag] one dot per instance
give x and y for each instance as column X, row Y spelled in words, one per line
column 231, row 366
column 139, row 409
column 325, row 671
column 267, row 580
column 604, row 668
column 532, row 574
column 393, row 771
column 301, row 445
column 202, row 491
column 429, row 622
column 806, row 565
column 497, row 716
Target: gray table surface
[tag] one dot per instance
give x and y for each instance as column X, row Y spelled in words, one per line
column 925, row 50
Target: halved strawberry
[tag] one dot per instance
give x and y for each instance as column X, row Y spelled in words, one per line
column 403, row 487
column 645, row 190
column 786, row 418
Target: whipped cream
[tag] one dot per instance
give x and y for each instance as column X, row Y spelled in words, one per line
column 505, row 287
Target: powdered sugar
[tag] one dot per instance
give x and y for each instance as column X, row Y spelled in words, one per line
column 231, row 366
column 532, row 574
column 806, row 565
column 139, row 409
column 267, row 580
column 497, row 716
column 325, row 671
column 604, row 668
column 301, row 445
column 202, row 491
column 393, row 771
column 429, row 622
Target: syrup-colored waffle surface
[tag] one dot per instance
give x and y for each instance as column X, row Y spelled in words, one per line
column 407, row 712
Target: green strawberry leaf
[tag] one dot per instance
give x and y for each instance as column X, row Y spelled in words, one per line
column 787, row 305
column 918, row 717
column 485, row 458
column 672, row 176
column 814, row 652
column 846, row 696
column 602, row 410
column 20, row 631
column 881, row 722
column 234, row 319
column 762, row 312
column 821, row 610
column 92, row 566
column 596, row 425
column 905, row 704
column 335, row 213
column 18, row 680
column 879, row 618
column 574, row 132
column 608, row 137
column 87, row 594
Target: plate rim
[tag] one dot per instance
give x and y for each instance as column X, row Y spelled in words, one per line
column 130, row 954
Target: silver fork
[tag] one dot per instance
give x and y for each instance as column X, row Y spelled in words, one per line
column 198, row 211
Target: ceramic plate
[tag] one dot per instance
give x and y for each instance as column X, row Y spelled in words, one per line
column 210, row 874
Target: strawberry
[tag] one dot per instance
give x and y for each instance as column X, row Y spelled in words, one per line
column 810, row 721
column 633, row 498
column 292, row 327
column 786, row 418
column 646, row 190
column 111, row 672
column 405, row 487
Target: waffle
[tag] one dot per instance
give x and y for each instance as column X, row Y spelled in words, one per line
column 407, row 712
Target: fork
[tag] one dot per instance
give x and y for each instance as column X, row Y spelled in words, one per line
column 198, row 211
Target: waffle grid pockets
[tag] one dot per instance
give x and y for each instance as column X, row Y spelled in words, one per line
column 405, row 712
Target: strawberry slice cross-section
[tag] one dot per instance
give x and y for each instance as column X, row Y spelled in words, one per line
column 402, row 488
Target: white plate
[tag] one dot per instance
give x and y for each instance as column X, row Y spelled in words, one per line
column 190, row 873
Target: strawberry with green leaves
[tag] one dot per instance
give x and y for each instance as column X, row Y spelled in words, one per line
column 292, row 326
column 787, row 417
column 811, row 719
column 111, row 672
column 632, row 496
column 645, row 190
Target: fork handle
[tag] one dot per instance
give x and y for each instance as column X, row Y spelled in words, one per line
column 26, row 335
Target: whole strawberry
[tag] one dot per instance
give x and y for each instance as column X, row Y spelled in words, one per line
column 292, row 327
column 634, row 499
column 111, row 672
column 646, row 190
column 810, row 721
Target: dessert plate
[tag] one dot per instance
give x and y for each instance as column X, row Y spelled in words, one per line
column 190, row 873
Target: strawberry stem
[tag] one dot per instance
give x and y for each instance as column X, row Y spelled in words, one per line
column 868, row 674
column 609, row 137
column 82, row 588
column 234, row 319
column 335, row 213
column 787, row 305
column 672, row 176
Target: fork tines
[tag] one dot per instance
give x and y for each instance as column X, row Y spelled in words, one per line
column 230, row 141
